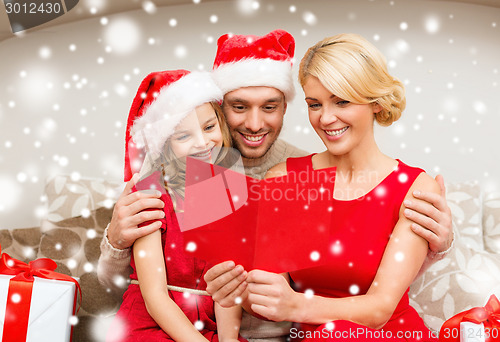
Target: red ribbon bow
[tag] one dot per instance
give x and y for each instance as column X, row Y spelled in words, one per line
column 20, row 289
column 489, row 315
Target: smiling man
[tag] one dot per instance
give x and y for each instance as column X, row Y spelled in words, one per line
column 255, row 74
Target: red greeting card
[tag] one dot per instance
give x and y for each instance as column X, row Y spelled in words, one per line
column 279, row 225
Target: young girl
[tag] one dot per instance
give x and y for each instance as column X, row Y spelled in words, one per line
column 174, row 115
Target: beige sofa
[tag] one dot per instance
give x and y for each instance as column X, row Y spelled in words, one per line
column 79, row 210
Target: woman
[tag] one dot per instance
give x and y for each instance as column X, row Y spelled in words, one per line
column 174, row 115
column 363, row 295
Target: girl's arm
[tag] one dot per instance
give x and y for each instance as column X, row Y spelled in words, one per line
column 272, row 297
column 150, row 266
column 228, row 322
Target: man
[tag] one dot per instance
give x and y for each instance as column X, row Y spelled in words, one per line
column 255, row 76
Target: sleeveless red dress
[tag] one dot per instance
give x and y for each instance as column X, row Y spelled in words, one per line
column 364, row 226
column 183, row 271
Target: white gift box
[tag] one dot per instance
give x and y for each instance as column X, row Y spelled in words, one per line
column 471, row 332
column 50, row 311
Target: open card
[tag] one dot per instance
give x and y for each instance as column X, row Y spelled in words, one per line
column 278, row 224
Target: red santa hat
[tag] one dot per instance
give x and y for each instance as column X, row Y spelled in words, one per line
column 245, row 61
column 162, row 101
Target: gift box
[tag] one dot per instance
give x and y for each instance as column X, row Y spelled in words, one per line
column 36, row 303
column 480, row 324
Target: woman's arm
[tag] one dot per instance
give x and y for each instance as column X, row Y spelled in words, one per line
column 273, row 298
column 228, row 322
column 150, row 266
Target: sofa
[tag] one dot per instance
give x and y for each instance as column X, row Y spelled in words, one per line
column 78, row 210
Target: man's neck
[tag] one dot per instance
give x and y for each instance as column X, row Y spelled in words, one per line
column 257, row 167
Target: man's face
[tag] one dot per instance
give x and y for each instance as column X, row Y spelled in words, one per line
column 255, row 117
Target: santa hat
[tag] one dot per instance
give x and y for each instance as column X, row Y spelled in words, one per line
column 162, row 101
column 245, row 61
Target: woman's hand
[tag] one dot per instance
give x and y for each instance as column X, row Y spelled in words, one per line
column 271, row 296
column 431, row 217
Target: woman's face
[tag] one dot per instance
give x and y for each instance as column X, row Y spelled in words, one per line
column 341, row 125
column 197, row 134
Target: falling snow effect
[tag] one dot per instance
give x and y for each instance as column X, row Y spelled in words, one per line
column 61, row 98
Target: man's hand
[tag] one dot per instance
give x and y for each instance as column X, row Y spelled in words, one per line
column 129, row 213
column 271, row 296
column 431, row 218
column 225, row 283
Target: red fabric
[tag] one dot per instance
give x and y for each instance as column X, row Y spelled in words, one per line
column 278, row 45
column 183, row 271
column 146, row 94
column 363, row 228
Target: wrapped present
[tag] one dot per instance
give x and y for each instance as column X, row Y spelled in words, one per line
column 278, row 224
column 483, row 324
column 36, row 303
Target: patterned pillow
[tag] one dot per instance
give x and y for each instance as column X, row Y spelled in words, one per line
column 491, row 222
column 464, row 200
column 74, row 245
column 69, row 196
column 78, row 212
column 465, row 278
column 21, row 244
column 468, row 275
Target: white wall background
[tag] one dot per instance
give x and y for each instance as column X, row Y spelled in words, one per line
column 65, row 91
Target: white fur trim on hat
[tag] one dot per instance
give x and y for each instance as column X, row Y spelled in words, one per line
column 257, row 73
column 173, row 103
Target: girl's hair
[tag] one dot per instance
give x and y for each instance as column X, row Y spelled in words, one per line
column 353, row 69
column 174, row 170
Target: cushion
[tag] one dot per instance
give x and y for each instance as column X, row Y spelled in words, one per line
column 464, row 200
column 468, row 275
column 491, row 222
column 21, row 244
column 74, row 245
column 69, row 196
column 78, row 212
column 465, row 278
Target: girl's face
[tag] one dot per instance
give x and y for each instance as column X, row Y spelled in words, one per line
column 197, row 134
column 341, row 125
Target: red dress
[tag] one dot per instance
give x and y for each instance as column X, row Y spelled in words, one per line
column 364, row 228
column 183, row 271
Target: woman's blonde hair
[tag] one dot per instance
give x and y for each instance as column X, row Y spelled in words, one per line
column 353, row 69
column 174, row 170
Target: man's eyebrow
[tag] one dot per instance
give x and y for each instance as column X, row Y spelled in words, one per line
column 236, row 99
column 277, row 99
column 274, row 99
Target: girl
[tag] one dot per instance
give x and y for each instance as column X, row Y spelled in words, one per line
column 174, row 115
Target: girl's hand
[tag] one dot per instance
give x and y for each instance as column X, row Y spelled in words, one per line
column 225, row 283
column 271, row 296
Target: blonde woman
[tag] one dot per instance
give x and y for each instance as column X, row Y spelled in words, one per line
column 363, row 294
